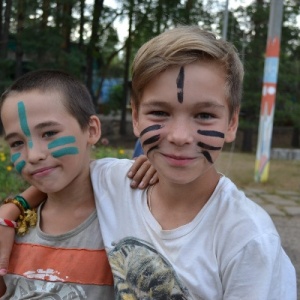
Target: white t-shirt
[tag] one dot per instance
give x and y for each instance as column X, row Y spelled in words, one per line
column 230, row 250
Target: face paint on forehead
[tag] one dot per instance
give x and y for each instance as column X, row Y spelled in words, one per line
column 23, row 122
column 180, row 84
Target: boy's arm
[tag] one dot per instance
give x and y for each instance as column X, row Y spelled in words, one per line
column 10, row 211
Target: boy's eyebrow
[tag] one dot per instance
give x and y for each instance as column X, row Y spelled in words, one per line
column 196, row 105
column 38, row 126
column 46, row 124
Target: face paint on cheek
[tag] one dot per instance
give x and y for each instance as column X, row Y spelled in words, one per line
column 207, row 156
column 211, row 133
column 152, row 139
column 180, row 84
column 23, row 122
column 61, row 141
column 15, row 157
column 65, row 151
column 65, row 140
column 20, row 165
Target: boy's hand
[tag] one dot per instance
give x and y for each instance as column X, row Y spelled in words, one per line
column 7, row 235
column 142, row 173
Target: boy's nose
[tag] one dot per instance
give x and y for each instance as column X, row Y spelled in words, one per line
column 35, row 152
column 180, row 133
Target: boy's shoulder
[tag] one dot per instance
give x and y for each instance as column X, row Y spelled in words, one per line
column 232, row 206
column 110, row 170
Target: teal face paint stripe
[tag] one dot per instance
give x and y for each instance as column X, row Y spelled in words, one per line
column 23, row 119
column 15, row 157
column 65, row 151
column 19, row 166
column 62, row 141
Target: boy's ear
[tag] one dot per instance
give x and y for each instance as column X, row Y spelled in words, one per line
column 232, row 127
column 135, row 119
column 94, row 130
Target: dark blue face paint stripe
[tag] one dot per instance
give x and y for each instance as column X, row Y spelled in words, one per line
column 150, row 128
column 211, row 133
column 180, row 84
column 208, row 147
column 151, row 140
column 207, row 156
column 151, row 149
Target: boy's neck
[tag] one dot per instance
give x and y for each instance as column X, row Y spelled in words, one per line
column 176, row 205
column 67, row 209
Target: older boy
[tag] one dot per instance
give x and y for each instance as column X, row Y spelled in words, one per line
column 193, row 235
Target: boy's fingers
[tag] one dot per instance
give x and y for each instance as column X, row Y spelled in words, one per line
column 141, row 177
column 138, row 162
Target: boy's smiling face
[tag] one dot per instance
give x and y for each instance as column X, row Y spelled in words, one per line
column 47, row 145
column 183, row 120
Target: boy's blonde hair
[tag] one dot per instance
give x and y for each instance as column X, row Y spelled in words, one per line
column 181, row 46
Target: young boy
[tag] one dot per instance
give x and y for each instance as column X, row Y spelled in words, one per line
column 193, row 235
column 50, row 125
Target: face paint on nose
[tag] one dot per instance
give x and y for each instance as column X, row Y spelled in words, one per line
column 153, row 139
column 211, row 133
column 65, row 140
column 180, row 84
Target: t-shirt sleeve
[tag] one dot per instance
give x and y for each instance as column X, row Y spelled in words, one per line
column 260, row 270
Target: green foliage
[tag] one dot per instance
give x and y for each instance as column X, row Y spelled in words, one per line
column 10, row 181
column 108, row 151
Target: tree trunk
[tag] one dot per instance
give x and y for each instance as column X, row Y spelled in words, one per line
column 247, row 140
column 81, row 25
column 123, row 126
column 19, row 48
column 98, row 7
column 295, row 137
column 5, row 30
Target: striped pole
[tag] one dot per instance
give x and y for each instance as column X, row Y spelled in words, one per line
column 262, row 163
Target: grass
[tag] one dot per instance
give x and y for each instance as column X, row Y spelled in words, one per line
column 284, row 174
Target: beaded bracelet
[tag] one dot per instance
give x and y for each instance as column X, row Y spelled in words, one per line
column 8, row 223
column 28, row 217
column 17, row 203
column 23, row 202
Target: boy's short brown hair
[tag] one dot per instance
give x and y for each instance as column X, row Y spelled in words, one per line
column 181, row 46
column 77, row 99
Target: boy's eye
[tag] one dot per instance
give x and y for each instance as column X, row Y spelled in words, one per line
column 205, row 116
column 15, row 144
column 49, row 133
column 159, row 113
